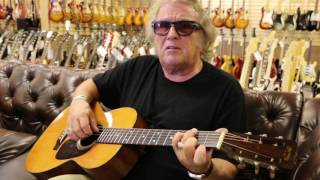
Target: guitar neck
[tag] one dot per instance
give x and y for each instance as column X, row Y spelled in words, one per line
column 154, row 137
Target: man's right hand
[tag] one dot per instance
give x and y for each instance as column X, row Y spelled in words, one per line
column 81, row 120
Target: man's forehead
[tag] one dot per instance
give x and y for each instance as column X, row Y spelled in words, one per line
column 177, row 11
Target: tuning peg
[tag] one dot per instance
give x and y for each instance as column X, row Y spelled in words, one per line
column 272, row 172
column 264, row 135
column 279, row 137
column 241, row 164
column 248, row 133
column 256, row 168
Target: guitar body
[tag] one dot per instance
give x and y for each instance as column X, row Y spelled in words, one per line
column 55, row 12
column 291, row 24
column 230, row 19
column 238, row 68
column 241, row 21
column 313, row 23
column 218, row 20
column 227, row 65
column 266, row 21
column 114, row 160
column 302, row 20
column 279, row 21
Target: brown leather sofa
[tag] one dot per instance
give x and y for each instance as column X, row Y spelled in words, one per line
column 32, row 95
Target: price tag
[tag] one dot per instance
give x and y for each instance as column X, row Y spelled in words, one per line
column 257, row 56
column 142, row 51
column 152, row 51
column 79, row 49
column 308, row 44
column 102, row 52
column 281, row 43
column 50, row 53
column 117, row 54
column 229, row 41
column 128, row 52
column 217, row 41
column 67, row 25
column 49, row 34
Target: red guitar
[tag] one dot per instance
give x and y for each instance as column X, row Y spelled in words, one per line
column 109, row 150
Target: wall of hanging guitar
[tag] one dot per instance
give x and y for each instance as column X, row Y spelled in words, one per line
column 270, row 62
column 97, row 15
column 99, row 50
column 19, row 14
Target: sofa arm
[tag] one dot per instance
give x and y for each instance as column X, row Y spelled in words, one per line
column 13, row 143
column 309, row 157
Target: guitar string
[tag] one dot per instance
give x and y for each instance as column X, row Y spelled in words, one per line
column 210, row 134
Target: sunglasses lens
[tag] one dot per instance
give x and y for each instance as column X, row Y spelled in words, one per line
column 161, row 27
column 184, row 28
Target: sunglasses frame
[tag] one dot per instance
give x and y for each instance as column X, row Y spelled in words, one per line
column 194, row 25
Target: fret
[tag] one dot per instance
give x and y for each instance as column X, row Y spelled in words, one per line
column 118, row 137
column 113, row 136
column 131, row 131
column 165, row 140
column 126, row 132
column 145, row 136
column 157, row 141
column 135, row 135
column 151, row 139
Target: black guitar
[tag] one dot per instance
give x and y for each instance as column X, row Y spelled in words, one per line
column 302, row 20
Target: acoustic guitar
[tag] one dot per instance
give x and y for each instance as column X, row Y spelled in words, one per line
column 113, row 150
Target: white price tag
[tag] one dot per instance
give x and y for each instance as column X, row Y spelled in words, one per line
column 229, row 41
column 67, row 25
column 217, row 41
column 128, row 52
column 152, row 51
column 9, row 49
column 49, row 34
column 257, row 56
column 116, row 53
column 102, row 52
column 79, row 49
column 281, row 43
column 142, row 51
column 308, row 44
column 50, row 53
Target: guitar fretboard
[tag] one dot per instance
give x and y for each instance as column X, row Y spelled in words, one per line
column 151, row 137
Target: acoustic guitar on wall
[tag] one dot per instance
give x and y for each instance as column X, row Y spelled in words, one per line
column 117, row 146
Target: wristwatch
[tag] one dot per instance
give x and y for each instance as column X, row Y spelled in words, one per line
column 203, row 175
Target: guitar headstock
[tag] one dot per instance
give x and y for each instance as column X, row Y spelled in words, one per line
column 261, row 150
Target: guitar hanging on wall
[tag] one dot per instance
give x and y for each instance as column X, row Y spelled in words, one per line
column 113, row 149
column 266, row 21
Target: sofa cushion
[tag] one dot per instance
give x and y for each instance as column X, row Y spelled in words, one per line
column 12, row 144
column 274, row 113
column 32, row 95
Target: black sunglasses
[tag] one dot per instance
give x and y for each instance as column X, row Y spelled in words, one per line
column 183, row 28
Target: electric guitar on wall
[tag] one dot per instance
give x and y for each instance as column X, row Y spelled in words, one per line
column 248, row 60
column 266, row 21
column 242, row 20
column 308, row 69
column 279, row 18
column 218, row 20
column 114, row 149
column 55, row 11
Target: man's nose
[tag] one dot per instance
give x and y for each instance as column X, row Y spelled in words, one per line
column 172, row 32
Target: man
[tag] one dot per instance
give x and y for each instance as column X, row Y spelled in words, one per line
column 176, row 89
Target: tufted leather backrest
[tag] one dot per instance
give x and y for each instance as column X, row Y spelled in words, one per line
column 31, row 96
column 274, row 113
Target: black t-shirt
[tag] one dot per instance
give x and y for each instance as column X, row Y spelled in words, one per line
column 212, row 99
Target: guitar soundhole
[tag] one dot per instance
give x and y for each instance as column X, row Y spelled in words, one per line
column 70, row 149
